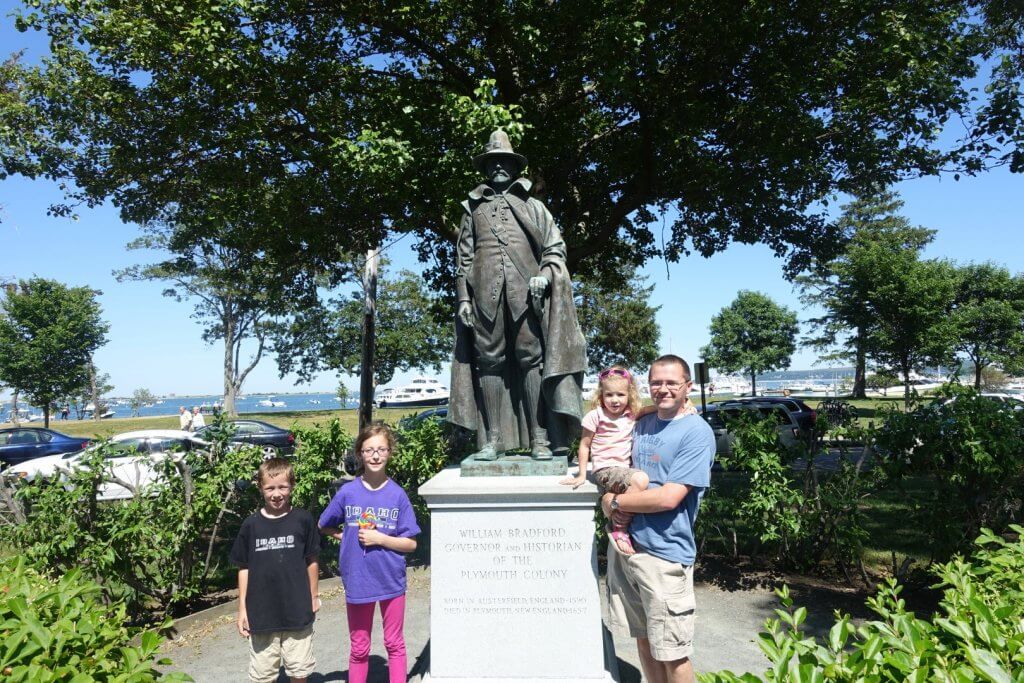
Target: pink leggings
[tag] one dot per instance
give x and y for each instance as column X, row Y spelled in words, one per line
column 360, row 621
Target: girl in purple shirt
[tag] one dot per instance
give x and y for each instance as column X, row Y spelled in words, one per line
column 375, row 522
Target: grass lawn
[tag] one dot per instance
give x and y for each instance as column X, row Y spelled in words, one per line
column 893, row 525
column 288, row 419
column 890, row 521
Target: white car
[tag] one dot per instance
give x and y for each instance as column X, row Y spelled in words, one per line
column 131, row 458
column 1005, row 400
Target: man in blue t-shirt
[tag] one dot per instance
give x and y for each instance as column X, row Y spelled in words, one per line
column 651, row 592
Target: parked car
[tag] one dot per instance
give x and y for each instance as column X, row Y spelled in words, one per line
column 1005, row 400
column 461, row 440
column 718, row 415
column 131, row 458
column 271, row 439
column 805, row 415
column 438, row 415
column 19, row 444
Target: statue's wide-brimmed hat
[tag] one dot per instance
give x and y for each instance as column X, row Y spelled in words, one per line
column 498, row 145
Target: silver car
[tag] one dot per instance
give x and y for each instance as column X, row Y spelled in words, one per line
column 720, row 414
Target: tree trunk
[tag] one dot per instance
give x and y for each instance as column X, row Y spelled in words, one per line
column 860, row 373
column 46, row 415
column 977, row 376
column 753, row 384
column 230, row 388
column 369, row 338
column 906, row 387
column 94, row 391
column 14, row 407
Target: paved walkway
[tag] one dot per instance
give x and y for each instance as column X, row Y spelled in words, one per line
column 729, row 619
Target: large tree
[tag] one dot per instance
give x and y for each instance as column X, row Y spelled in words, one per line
column 48, row 334
column 234, row 293
column 988, row 317
column 874, row 233
column 618, row 323
column 912, row 301
column 413, row 331
column 140, row 399
column 752, row 334
column 338, row 122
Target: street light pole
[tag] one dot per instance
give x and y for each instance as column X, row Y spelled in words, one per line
column 369, row 337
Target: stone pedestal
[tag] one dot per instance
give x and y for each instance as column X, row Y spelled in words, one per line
column 514, row 591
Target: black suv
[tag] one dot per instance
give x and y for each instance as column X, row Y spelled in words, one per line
column 272, row 440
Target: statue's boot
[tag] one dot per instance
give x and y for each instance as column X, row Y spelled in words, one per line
column 492, row 450
column 491, row 388
column 539, row 445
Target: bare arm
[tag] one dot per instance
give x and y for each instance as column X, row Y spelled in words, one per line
column 660, row 499
column 313, row 571
column 243, row 588
column 584, row 457
column 332, row 531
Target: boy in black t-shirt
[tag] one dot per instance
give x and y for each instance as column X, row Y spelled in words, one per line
column 276, row 554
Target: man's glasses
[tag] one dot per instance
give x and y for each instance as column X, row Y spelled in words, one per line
column 671, row 386
column 383, row 450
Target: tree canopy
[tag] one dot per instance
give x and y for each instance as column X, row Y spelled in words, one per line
column 335, row 123
column 752, row 334
column 911, row 301
column 48, row 334
column 874, row 233
column 233, row 289
column 618, row 323
column 988, row 317
column 412, row 332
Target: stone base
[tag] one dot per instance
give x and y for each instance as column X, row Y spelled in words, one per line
column 514, row 593
column 515, row 465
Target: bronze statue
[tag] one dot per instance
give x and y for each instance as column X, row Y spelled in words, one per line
column 519, row 352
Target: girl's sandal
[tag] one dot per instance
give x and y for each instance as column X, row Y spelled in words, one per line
column 623, row 542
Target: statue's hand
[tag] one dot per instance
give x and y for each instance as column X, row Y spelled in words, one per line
column 538, row 286
column 465, row 313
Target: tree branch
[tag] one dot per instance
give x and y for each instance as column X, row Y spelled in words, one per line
column 259, row 353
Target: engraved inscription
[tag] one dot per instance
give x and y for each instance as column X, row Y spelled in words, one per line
column 515, row 570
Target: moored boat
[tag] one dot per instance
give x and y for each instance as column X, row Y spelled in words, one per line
column 421, row 392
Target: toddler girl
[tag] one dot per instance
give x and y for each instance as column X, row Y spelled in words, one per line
column 607, row 441
column 374, row 520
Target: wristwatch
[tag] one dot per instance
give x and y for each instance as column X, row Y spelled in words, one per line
column 614, row 505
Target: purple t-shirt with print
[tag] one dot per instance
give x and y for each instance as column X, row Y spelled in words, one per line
column 375, row 573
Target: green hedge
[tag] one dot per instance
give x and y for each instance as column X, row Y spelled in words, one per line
column 172, row 541
column 61, row 631
column 976, row 635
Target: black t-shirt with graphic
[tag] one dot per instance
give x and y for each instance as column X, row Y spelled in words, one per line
column 275, row 552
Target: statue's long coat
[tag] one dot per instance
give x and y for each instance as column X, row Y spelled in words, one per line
column 565, row 357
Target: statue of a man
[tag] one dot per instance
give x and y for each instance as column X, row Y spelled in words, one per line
column 519, row 352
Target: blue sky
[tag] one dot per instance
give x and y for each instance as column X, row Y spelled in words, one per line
column 155, row 344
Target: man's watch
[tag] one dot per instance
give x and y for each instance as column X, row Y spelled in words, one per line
column 614, row 505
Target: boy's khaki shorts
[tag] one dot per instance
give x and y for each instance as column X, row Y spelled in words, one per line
column 614, row 479
column 653, row 599
column 268, row 651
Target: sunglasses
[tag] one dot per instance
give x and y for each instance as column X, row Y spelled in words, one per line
column 614, row 372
